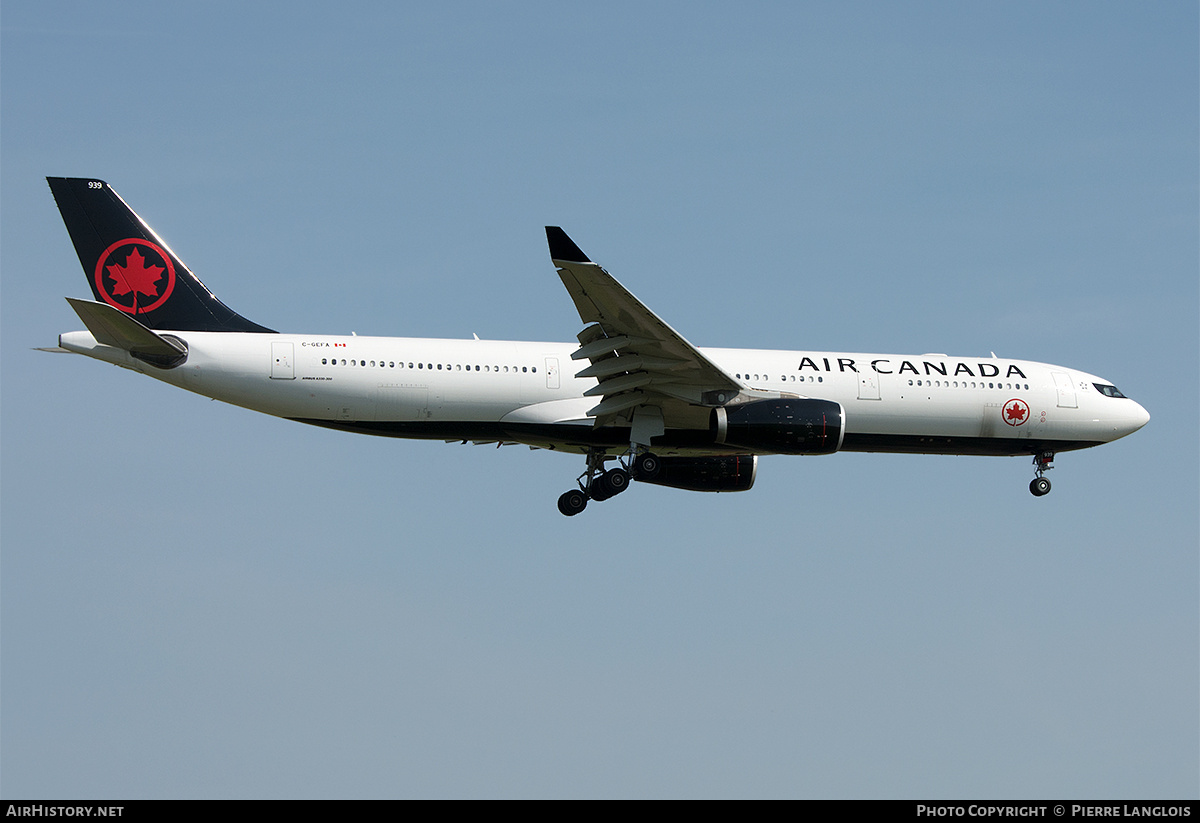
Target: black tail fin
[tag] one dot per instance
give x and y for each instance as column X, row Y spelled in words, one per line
column 129, row 267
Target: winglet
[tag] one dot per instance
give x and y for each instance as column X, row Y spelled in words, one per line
column 563, row 248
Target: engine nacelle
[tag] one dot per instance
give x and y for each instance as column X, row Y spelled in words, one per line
column 784, row 426
column 734, row 473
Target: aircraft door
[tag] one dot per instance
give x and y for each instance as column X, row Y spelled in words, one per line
column 868, row 386
column 1066, row 390
column 281, row 362
column 552, row 372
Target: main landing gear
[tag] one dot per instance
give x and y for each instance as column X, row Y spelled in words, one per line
column 1040, row 486
column 597, row 484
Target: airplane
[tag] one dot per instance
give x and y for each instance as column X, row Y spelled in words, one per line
column 632, row 391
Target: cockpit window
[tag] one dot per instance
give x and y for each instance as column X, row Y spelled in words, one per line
column 1107, row 390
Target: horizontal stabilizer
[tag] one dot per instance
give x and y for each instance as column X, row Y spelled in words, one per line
column 113, row 327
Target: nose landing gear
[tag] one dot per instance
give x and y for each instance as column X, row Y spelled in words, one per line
column 1040, row 486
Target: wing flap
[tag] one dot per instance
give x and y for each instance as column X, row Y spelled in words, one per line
column 607, row 345
column 626, row 382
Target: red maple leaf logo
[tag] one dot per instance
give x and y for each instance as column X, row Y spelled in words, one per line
column 122, row 284
column 1015, row 413
column 135, row 276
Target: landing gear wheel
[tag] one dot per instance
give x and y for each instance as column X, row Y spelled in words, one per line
column 609, row 484
column 599, row 490
column 647, row 466
column 1039, row 486
column 572, row 503
column 617, row 481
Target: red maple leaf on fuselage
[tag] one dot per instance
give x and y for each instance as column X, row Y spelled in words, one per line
column 1015, row 412
column 135, row 276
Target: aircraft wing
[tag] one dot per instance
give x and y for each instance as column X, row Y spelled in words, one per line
column 638, row 358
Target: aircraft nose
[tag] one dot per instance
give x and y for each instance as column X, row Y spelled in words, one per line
column 1133, row 419
column 1141, row 417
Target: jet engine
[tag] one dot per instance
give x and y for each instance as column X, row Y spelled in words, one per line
column 784, row 426
column 734, row 473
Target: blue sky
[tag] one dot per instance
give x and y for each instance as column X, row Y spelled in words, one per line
column 199, row 601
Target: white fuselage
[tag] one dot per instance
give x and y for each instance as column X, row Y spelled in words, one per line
column 527, row 392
